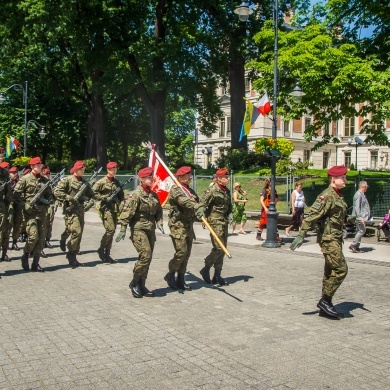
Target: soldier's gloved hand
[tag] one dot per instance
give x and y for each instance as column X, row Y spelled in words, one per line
column 199, row 213
column 230, row 219
column 121, row 235
column 27, row 208
column 160, row 227
column 70, row 199
column 298, row 241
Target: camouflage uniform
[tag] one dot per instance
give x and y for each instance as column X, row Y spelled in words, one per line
column 35, row 215
column 17, row 222
column 6, row 212
column 328, row 212
column 141, row 212
column 183, row 201
column 108, row 211
column 218, row 205
column 74, row 211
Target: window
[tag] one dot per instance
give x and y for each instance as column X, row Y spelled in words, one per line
column 306, row 155
column 228, row 125
column 349, row 127
column 374, row 159
column 307, row 122
column 247, row 85
column 286, row 129
column 222, row 127
column 326, row 128
column 347, row 159
column 325, row 160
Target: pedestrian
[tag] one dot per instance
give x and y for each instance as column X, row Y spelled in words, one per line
column 297, row 208
column 108, row 209
column 265, row 201
column 361, row 213
column 184, row 203
column 18, row 211
column 328, row 213
column 142, row 212
column 217, row 204
column 6, row 210
column 239, row 201
column 74, row 209
column 26, row 190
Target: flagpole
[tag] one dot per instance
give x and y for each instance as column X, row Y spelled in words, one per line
column 220, row 243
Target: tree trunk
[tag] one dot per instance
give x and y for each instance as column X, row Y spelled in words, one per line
column 237, row 93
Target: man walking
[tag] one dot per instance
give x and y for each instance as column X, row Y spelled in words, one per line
column 361, row 211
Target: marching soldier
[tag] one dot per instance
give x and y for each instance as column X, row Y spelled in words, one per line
column 18, row 211
column 328, row 212
column 74, row 210
column 49, row 217
column 6, row 210
column 142, row 212
column 218, row 207
column 184, row 203
column 35, row 214
column 109, row 209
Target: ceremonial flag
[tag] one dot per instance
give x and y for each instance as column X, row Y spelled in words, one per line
column 263, row 105
column 251, row 114
column 162, row 182
column 9, row 147
column 16, row 143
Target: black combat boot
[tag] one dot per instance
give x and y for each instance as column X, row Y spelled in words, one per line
column 71, row 256
column 35, row 267
column 218, row 279
column 144, row 290
column 181, row 282
column 109, row 259
column 25, row 264
column 15, row 245
column 205, row 272
column 326, row 307
column 47, row 243
column 135, row 287
column 102, row 254
column 43, row 254
column 4, row 256
column 63, row 245
column 170, row 279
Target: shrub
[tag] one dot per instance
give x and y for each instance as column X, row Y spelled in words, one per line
column 90, row 164
column 241, row 159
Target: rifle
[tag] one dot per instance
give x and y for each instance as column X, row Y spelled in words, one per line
column 43, row 188
column 115, row 193
column 84, row 186
column 2, row 188
column 57, row 178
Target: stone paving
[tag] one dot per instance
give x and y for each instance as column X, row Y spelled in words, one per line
column 82, row 329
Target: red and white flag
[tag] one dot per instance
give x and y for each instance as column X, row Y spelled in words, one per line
column 263, row 105
column 162, row 182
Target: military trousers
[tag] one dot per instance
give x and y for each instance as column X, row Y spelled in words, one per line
column 335, row 269
column 182, row 239
column 110, row 220
column 215, row 258
column 143, row 241
column 17, row 223
column 35, row 228
column 49, row 221
column 75, row 227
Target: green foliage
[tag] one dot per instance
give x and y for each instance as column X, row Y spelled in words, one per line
column 21, row 161
column 241, row 159
column 286, row 166
column 91, row 165
column 282, row 145
column 352, row 167
column 58, row 166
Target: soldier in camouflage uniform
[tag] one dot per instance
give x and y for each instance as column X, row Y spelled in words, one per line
column 74, row 210
column 6, row 211
column 184, row 203
column 143, row 213
column 109, row 209
column 35, row 215
column 218, row 207
column 18, row 212
column 328, row 212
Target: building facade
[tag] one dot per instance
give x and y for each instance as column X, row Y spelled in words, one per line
column 350, row 150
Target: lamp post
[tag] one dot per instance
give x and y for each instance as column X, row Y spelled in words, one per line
column 358, row 142
column 42, row 132
column 24, row 91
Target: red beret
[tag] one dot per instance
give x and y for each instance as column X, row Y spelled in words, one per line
column 35, row 160
column 111, row 165
column 183, row 171
column 338, row 170
column 222, row 172
column 46, row 171
column 4, row 164
column 78, row 165
column 145, row 172
column 26, row 170
column 13, row 169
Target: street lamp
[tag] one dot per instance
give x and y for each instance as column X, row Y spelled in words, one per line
column 358, row 142
column 24, row 91
column 42, row 132
column 297, row 93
